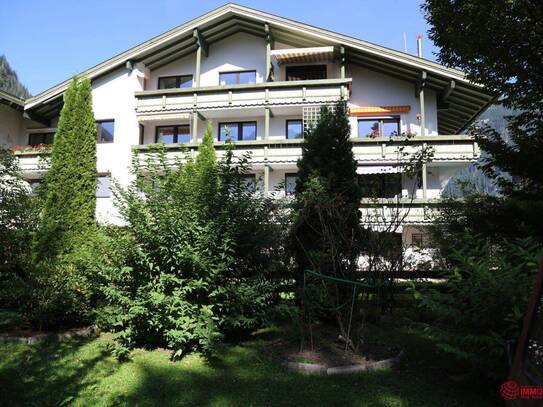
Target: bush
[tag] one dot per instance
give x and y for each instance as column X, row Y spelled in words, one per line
column 18, row 222
column 487, row 293
column 198, row 254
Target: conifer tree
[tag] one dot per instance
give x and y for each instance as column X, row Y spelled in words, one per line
column 70, row 197
column 327, row 195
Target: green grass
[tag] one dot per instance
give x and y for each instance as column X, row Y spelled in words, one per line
column 81, row 373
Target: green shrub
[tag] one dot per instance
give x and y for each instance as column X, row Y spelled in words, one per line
column 199, row 251
column 488, row 288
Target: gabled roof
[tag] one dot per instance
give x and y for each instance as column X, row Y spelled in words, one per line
column 463, row 99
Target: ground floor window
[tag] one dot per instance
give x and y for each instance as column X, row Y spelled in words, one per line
column 249, row 182
column 381, row 185
column 417, row 239
column 290, row 183
column 103, row 186
column 173, row 134
column 40, row 138
column 105, row 131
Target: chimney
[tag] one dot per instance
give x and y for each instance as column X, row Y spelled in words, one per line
column 419, row 46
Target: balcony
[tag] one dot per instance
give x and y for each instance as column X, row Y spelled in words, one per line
column 33, row 164
column 284, row 93
column 456, row 148
column 377, row 212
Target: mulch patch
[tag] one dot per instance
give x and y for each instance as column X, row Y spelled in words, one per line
column 327, row 350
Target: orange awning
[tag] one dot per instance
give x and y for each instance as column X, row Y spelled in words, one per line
column 378, row 110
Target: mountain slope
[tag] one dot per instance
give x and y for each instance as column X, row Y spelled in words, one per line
column 9, row 82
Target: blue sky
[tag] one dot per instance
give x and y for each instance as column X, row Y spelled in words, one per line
column 46, row 42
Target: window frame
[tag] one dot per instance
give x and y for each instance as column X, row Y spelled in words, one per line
column 103, row 175
column 417, row 237
column 175, row 132
column 381, row 191
column 290, row 68
column 248, row 178
column 97, row 122
column 240, row 130
column 177, row 80
column 302, row 128
column 43, row 135
column 287, row 175
column 238, row 76
column 380, row 120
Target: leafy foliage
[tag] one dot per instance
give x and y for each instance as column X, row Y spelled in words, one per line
column 199, row 249
column 9, row 82
column 19, row 211
column 484, row 301
column 504, row 54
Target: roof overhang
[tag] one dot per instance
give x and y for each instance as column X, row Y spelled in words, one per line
column 13, row 101
column 459, row 100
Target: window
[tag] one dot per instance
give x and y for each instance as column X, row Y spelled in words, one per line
column 173, row 134
column 237, row 131
column 294, row 129
column 417, row 240
column 105, row 130
column 249, row 182
column 381, row 185
column 142, row 133
column 174, row 82
column 237, row 77
column 103, row 186
column 34, row 185
column 290, row 183
column 40, row 138
column 305, row 72
column 379, row 127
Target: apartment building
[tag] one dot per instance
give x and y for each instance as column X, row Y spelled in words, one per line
column 261, row 80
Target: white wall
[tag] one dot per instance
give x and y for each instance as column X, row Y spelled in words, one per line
column 12, row 131
column 236, row 53
column 113, row 98
column 371, row 88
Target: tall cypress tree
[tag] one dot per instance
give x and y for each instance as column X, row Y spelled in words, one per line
column 70, row 183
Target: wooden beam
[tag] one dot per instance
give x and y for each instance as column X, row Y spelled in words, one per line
column 200, row 40
column 269, row 46
column 421, row 84
column 342, row 60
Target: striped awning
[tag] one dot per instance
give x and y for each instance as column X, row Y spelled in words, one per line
column 378, row 110
column 294, row 55
column 163, row 117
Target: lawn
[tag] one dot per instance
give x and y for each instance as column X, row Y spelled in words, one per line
column 82, row 373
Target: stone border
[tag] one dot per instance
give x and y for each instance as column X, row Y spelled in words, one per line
column 38, row 338
column 317, row 369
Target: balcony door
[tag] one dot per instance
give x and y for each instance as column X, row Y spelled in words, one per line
column 305, row 72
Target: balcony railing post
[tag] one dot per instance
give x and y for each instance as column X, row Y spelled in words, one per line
column 266, row 123
column 424, row 182
column 266, row 171
column 194, row 130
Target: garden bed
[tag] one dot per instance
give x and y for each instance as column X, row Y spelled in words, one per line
column 328, row 354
